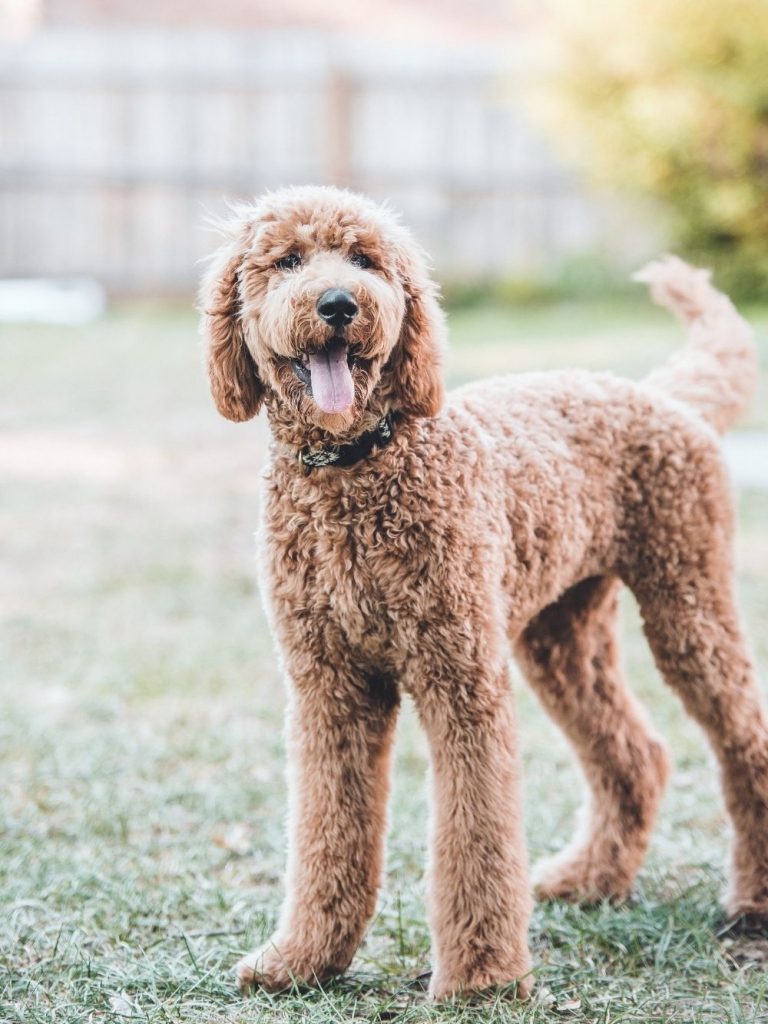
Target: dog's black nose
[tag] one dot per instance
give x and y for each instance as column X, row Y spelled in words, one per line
column 337, row 307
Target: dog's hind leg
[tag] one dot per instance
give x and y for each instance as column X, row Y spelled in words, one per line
column 569, row 653
column 693, row 628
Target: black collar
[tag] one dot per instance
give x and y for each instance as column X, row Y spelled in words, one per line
column 347, row 454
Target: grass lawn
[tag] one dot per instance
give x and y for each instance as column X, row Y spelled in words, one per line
column 141, row 842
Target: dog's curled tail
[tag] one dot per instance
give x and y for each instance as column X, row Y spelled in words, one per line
column 716, row 372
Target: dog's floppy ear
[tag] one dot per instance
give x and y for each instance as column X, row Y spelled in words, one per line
column 235, row 385
column 416, row 362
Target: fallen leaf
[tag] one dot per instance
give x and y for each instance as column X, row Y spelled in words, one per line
column 235, row 840
column 569, row 1006
column 122, row 1005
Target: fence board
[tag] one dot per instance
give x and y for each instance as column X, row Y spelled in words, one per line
column 111, row 154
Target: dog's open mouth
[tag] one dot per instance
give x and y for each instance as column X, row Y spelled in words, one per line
column 327, row 375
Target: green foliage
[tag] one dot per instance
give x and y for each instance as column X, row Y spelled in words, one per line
column 672, row 99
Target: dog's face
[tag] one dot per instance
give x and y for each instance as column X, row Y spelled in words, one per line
column 320, row 304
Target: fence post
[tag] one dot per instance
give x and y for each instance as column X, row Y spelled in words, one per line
column 339, row 141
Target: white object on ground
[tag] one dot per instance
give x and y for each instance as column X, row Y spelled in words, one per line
column 746, row 453
column 71, row 301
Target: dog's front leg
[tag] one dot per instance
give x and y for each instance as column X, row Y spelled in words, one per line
column 479, row 895
column 340, row 733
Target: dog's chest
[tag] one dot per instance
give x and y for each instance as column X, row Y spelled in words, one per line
column 347, row 570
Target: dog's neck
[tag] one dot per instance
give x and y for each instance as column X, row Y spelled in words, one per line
column 335, row 457
column 294, row 434
column 302, row 455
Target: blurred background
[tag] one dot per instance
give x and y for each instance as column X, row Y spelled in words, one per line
column 517, row 138
column 122, row 123
column 540, row 151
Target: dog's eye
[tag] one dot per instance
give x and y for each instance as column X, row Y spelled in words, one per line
column 289, row 262
column 359, row 259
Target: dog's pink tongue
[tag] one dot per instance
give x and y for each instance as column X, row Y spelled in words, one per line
column 332, row 386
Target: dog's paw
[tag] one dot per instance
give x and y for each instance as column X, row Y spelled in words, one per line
column 264, row 968
column 747, row 914
column 278, row 965
column 581, row 878
column 508, row 984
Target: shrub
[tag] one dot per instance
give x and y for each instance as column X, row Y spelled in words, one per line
column 671, row 97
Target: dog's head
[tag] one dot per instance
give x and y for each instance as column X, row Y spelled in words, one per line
column 319, row 303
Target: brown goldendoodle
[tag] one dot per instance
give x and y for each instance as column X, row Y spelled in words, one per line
column 409, row 547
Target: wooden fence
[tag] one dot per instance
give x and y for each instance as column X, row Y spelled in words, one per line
column 114, row 146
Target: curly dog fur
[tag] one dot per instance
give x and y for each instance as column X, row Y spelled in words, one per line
column 505, row 521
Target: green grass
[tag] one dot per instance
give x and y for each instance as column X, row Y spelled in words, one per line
column 143, row 797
